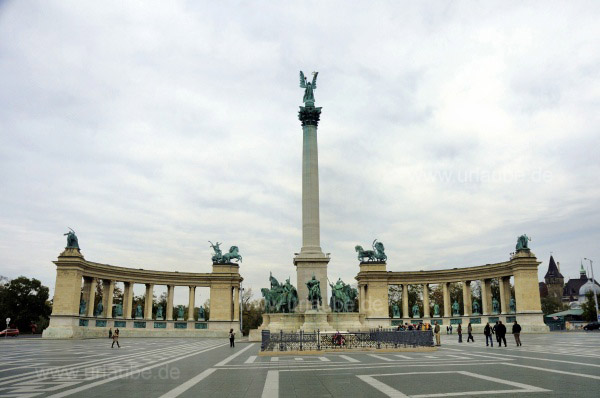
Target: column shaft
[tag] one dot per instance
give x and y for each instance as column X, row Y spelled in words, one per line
column 127, row 300
column 467, row 297
column 446, row 294
column 191, row 303
column 426, row 312
column 92, row 297
column 170, row 292
column 485, row 296
column 311, row 239
column 405, row 313
column 86, row 294
column 107, row 297
column 148, row 298
column 504, row 297
column 361, row 298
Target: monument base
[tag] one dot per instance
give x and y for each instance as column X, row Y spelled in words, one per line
column 316, row 320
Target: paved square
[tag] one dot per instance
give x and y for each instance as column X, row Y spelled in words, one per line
column 561, row 364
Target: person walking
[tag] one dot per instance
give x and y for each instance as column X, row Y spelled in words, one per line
column 110, row 333
column 459, row 331
column 436, row 331
column 516, row 331
column 470, row 331
column 115, row 338
column 487, row 331
column 501, row 334
column 231, row 338
column 450, row 329
column 495, row 331
column 447, row 329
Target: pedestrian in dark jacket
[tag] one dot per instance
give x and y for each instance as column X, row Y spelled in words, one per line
column 501, row 334
column 495, row 331
column 487, row 331
column 470, row 331
column 459, row 331
column 231, row 338
column 516, row 330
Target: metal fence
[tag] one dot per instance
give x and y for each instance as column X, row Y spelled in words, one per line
column 373, row 339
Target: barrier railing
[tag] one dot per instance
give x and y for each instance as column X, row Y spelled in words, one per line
column 317, row 340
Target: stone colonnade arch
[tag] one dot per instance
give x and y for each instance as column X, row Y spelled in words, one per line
column 374, row 281
column 66, row 321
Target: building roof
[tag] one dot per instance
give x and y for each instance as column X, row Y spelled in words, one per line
column 574, row 312
column 553, row 271
column 572, row 287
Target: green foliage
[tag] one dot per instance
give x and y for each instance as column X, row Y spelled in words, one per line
column 589, row 307
column 252, row 311
column 551, row 305
column 25, row 301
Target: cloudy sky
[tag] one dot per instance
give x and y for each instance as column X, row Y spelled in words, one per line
column 448, row 129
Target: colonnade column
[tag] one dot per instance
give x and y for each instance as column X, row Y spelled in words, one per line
column 486, row 287
column 87, row 281
column 107, row 297
column 148, row 301
column 446, row 293
column 405, row 313
column 236, row 303
column 170, row 291
column 191, row 303
column 507, row 294
column 466, row 298
column 127, row 299
column 91, row 297
column 503, row 309
column 426, row 312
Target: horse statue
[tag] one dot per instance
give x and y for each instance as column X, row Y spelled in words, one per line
column 362, row 254
column 233, row 254
column 269, row 304
column 377, row 254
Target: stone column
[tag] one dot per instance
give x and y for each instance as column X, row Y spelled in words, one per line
column 91, row 297
column 236, row 303
column 107, row 297
column 127, row 299
column 191, row 303
column 447, row 305
column 426, row 312
column 311, row 235
column 486, row 289
column 507, row 293
column 467, row 297
column 87, row 282
column 311, row 260
column 503, row 282
column 405, row 313
column 148, row 301
column 527, row 297
column 502, row 298
column 170, row 292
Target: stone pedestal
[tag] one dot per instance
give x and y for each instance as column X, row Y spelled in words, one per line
column 308, row 265
column 316, row 320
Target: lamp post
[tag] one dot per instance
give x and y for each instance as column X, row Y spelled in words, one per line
column 594, row 290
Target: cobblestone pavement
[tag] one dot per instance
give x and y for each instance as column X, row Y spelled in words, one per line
column 557, row 364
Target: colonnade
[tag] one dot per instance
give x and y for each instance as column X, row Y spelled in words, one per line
column 71, row 268
column 374, row 281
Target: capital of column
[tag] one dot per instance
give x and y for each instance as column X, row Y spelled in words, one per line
column 309, row 115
